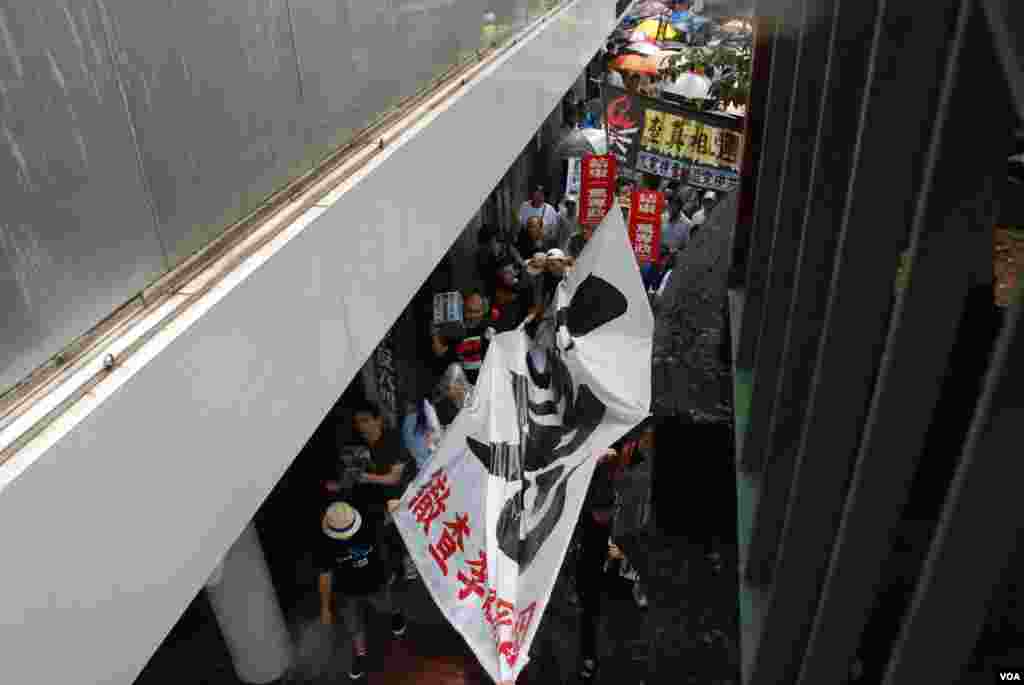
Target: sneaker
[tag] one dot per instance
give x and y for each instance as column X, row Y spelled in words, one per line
column 398, row 624
column 358, row 668
column 639, row 596
column 589, row 670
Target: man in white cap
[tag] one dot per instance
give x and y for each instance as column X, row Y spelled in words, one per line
column 706, row 205
column 354, row 574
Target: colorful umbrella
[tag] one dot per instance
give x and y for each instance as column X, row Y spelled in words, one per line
column 640, row 37
column 582, row 141
column 652, row 27
column 639, row 64
column 690, row 85
column 643, row 48
column 649, row 8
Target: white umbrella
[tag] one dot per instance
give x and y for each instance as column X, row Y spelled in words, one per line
column 582, row 141
column 649, row 49
column 690, row 85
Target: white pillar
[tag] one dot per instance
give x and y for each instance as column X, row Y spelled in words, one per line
column 245, row 604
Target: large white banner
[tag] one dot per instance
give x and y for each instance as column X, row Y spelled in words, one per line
column 489, row 520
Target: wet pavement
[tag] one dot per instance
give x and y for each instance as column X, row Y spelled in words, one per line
column 686, row 635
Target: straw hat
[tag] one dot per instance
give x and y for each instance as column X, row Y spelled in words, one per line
column 341, row 521
column 537, row 257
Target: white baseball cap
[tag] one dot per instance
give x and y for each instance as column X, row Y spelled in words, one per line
column 710, row 195
column 555, row 253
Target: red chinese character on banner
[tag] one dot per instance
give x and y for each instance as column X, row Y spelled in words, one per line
column 503, row 614
column 458, row 529
column 492, row 595
column 476, row 582
column 429, row 502
column 523, row 621
column 509, row 650
column 450, row 542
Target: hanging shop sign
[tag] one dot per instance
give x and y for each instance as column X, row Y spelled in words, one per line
column 657, row 137
column 573, row 178
column 624, row 117
column 645, row 224
column 597, row 188
column 712, row 178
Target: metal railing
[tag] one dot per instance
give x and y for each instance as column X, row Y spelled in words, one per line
column 885, row 130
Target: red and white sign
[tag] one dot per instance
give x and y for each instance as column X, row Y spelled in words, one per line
column 489, row 519
column 645, row 224
column 597, row 188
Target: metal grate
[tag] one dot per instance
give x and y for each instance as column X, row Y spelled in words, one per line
column 871, row 122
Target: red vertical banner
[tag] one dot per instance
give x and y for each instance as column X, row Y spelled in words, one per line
column 645, row 224
column 597, row 188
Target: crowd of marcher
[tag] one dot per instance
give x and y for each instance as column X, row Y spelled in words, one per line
column 519, row 267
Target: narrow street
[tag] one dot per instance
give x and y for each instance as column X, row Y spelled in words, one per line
column 680, row 638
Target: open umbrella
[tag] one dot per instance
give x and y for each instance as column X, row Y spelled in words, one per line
column 643, row 48
column 690, row 85
column 640, row 37
column 657, row 29
column 582, row 141
column 649, row 8
column 638, row 64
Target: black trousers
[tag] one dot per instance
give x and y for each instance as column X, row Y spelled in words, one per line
column 589, row 578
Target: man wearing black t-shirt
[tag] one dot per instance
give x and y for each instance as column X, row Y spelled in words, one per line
column 390, row 470
column 353, row 572
column 390, row 464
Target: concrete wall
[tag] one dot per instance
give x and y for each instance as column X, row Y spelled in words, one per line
column 133, row 132
column 112, row 519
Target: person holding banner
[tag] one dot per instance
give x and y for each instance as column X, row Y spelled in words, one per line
column 595, row 549
column 633, row 476
column 452, row 393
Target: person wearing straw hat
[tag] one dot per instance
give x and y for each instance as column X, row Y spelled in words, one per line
column 354, row 575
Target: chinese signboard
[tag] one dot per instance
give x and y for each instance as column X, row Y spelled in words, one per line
column 720, row 180
column 624, row 117
column 489, row 519
column 645, row 224
column 573, row 178
column 386, row 377
column 597, row 188
column 660, row 138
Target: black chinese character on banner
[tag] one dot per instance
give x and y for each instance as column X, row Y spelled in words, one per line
column 653, row 134
column 728, row 146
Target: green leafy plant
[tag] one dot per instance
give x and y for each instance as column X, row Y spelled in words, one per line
column 729, row 70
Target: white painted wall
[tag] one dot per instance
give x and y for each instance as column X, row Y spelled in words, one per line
column 107, row 535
